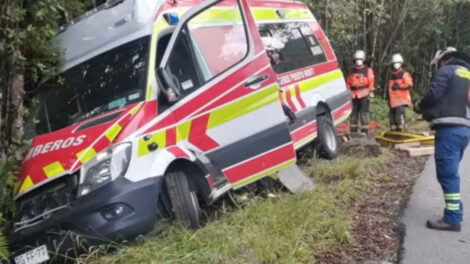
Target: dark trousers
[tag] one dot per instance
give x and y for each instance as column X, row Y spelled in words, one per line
column 451, row 142
column 360, row 111
column 397, row 118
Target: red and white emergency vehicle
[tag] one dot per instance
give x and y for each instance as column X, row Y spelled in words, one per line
column 163, row 105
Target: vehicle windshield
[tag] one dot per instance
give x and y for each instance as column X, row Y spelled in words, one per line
column 111, row 80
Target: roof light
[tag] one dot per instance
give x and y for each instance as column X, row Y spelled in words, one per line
column 171, row 18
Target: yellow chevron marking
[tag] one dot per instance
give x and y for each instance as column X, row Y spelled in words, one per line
column 113, row 132
column 136, row 109
column 27, row 184
column 86, row 155
column 53, row 169
column 182, row 131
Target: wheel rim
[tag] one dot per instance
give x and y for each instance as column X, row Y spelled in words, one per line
column 330, row 138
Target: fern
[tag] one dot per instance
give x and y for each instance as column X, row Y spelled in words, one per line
column 4, row 253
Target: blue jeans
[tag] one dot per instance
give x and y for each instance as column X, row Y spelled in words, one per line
column 451, row 142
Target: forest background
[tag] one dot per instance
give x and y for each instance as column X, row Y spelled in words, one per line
column 414, row 28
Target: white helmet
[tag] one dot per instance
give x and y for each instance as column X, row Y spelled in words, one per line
column 360, row 55
column 441, row 54
column 397, row 58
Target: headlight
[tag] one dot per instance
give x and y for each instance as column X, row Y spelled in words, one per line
column 105, row 167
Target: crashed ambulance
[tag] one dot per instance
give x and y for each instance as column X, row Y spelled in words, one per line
column 166, row 105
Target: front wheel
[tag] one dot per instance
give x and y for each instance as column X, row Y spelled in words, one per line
column 184, row 202
column 327, row 141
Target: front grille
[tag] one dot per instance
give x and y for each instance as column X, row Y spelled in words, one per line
column 47, row 201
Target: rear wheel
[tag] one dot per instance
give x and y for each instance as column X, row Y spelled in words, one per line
column 183, row 200
column 327, row 141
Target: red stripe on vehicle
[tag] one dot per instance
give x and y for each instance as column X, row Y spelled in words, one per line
column 272, row 4
column 260, row 164
column 304, row 132
column 178, row 152
column 211, row 182
column 340, row 112
column 289, row 100
column 298, row 96
column 171, row 136
column 198, row 136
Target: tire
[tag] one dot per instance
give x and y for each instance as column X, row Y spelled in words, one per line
column 184, row 202
column 327, row 142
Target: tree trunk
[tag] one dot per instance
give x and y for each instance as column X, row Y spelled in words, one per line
column 16, row 98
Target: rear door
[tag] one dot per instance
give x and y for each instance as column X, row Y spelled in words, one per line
column 228, row 107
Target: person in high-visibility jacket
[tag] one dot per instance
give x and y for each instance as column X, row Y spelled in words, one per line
column 399, row 93
column 447, row 107
column 361, row 83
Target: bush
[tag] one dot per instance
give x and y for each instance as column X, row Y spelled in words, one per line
column 4, row 254
column 379, row 110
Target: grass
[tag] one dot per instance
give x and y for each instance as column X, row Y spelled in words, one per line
column 286, row 229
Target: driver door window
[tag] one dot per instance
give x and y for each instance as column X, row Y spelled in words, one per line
column 207, row 45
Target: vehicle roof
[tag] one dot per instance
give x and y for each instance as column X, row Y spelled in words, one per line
column 109, row 26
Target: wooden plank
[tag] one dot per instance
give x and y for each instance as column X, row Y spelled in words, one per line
column 421, row 151
column 405, row 146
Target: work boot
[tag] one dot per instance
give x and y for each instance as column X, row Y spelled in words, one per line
column 442, row 226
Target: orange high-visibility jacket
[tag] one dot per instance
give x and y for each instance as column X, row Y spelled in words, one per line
column 400, row 95
column 361, row 82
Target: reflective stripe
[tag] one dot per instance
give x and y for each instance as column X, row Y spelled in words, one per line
column 451, row 121
column 136, row 109
column 452, row 196
column 243, row 107
column 320, row 80
column 452, row 207
column 113, row 132
column 53, row 169
column 463, row 73
column 263, row 174
column 158, row 138
column 86, row 155
column 217, row 16
column 27, row 184
column 262, row 14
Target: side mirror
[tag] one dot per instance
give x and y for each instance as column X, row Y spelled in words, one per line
column 167, row 82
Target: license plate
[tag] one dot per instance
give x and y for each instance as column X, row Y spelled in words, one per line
column 35, row 256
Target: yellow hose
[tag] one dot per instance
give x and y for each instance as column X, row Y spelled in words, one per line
column 387, row 137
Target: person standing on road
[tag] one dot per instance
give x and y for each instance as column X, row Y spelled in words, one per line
column 361, row 83
column 399, row 93
column 447, row 107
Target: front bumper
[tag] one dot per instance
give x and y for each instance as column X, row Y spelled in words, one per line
column 85, row 218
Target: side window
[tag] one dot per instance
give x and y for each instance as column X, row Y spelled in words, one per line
column 312, row 41
column 209, row 44
column 291, row 46
column 182, row 65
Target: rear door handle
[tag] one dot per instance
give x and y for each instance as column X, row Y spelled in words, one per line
column 255, row 82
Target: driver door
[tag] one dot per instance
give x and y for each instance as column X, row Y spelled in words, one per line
column 227, row 105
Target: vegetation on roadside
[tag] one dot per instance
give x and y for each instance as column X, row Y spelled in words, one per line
column 286, row 229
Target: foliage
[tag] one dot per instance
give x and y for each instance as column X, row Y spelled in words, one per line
column 379, row 110
column 414, row 28
column 4, row 254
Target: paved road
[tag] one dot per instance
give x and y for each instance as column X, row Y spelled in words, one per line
column 425, row 246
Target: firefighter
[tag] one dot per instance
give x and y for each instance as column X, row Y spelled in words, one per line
column 399, row 93
column 361, row 81
column 447, row 107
